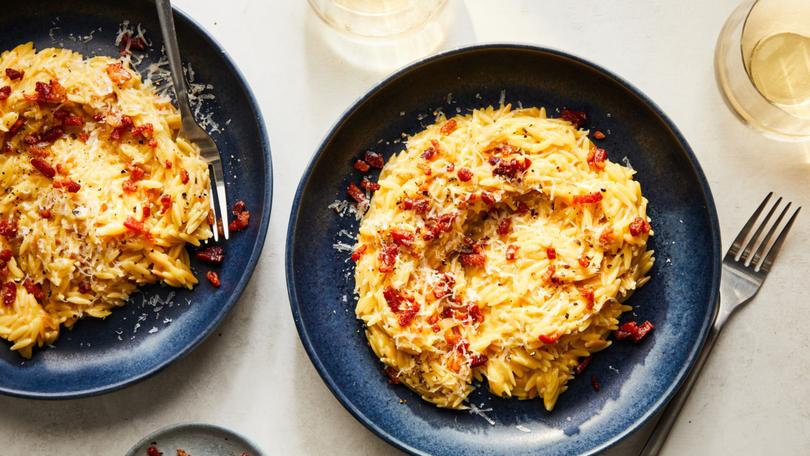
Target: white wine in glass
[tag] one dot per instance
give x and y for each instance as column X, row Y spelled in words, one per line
column 762, row 63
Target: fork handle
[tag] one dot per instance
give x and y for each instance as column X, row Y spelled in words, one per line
column 667, row 419
column 166, row 18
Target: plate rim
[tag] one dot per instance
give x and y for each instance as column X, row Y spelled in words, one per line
column 705, row 188
column 231, row 300
column 153, row 436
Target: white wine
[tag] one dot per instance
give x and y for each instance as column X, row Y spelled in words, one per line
column 779, row 67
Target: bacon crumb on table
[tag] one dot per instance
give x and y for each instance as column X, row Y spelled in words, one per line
column 242, row 220
column 212, row 255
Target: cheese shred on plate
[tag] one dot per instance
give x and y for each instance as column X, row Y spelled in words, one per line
column 98, row 194
column 499, row 245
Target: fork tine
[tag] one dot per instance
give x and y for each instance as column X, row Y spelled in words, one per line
column 770, row 257
column 736, row 246
column 213, row 211
column 746, row 255
column 219, row 180
column 761, row 249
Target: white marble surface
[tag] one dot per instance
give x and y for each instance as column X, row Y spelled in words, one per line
column 254, row 376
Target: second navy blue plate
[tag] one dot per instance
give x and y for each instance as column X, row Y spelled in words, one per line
column 636, row 380
column 160, row 324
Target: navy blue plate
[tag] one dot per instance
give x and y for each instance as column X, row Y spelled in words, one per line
column 138, row 340
column 636, row 380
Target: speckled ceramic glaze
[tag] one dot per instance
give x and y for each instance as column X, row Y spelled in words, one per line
column 636, row 380
column 102, row 355
column 196, row 440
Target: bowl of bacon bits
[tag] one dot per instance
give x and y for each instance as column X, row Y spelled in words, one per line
column 112, row 263
column 503, row 249
column 195, row 439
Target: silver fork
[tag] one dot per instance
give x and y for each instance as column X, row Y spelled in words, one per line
column 190, row 129
column 745, row 267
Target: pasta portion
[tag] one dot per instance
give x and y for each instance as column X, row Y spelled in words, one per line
column 99, row 194
column 498, row 245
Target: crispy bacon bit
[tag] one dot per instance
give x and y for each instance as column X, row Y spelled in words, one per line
column 72, row 120
column 551, row 253
column 5, row 257
column 582, row 365
column 133, row 42
column 374, row 159
column 584, row 261
column 596, row 158
column 145, row 131
column 358, row 252
column 511, row 252
column 587, row 293
column 44, row 167
column 577, row 118
column 418, row 205
column 478, row 360
column 505, row 226
column 122, row 129
column 522, row 208
column 639, row 226
column 13, row 74
column 361, row 166
column 38, row 152
column 392, row 374
column 167, row 164
column 213, row 255
column 136, row 171
column 451, row 167
column 134, row 225
column 213, row 277
column 6, row 149
column 606, row 237
column 402, row 238
column 52, row 93
column 14, row 129
column 588, row 198
column 464, row 175
column 435, row 226
column 633, row 331
column 34, row 289
column 8, row 228
column 52, row 135
column 9, row 294
column 549, row 338
column 388, row 257
column 84, row 287
column 146, row 213
column 475, row 313
column 407, row 315
column 393, row 298
column 369, row 185
column 242, row 217
column 487, row 198
column 166, row 203
column 510, row 168
column 152, row 451
column 454, row 361
column 595, row 383
column 184, row 176
column 118, row 74
column 45, row 213
column 69, row 185
column 445, row 286
column 356, row 193
column 31, row 139
column 98, row 117
column 5, row 92
column 599, row 135
column 448, row 127
column 129, row 186
column 432, row 151
column 472, row 259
